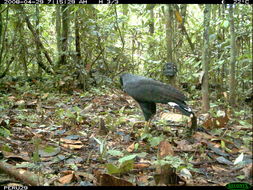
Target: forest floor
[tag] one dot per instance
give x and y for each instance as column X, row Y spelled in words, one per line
column 99, row 138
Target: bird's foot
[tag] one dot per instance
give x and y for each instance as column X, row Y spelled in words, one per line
column 139, row 124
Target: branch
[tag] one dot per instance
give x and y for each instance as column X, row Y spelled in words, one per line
column 7, row 68
column 117, row 24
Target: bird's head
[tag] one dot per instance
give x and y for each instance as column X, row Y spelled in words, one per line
column 123, row 78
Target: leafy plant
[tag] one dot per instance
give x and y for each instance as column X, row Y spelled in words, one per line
column 103, row 149
column 4, row 132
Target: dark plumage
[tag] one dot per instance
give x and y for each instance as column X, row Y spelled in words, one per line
column 147, row 92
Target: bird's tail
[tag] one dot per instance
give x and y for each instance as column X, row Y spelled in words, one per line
column 182, row 107
column 186, row 110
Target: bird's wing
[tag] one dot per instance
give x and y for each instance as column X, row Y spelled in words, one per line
column 148, row 90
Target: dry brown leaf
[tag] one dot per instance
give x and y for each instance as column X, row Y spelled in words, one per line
column 248, row 171
column 184, row 145
column 72, row 146
column 11, row 98
column 217, row 122
column 66, row 179
column 141, row 165
column 20, row 102
column 202, row 136
column 143, row 178
column 109, row 180
column 165, row 149
column 66, row 172
column 87, row 176
column 219, row 169
column 69, row 141
column 22, row 156
column 45, row 95
column 130, row 148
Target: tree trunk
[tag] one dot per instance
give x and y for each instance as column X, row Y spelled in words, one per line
column 151, row 28
column 125, row 12
column 232, row 81
column 3, row 33
column 58, row 29
column 169, row 39
column 38, row 50
column 181, row 19
column 1, row 23
column 23, row 49
column 37, row 39
column 205, row 60
column 78, row 48
column 169, row 31
column 65, row 31
column 224, row 65
column 151, row 22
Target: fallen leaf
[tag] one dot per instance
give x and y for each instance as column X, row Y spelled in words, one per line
column 248, row 171
column 184, row 145
column 165, row 149
column 216, row 122
column 66, row 179
column 130, row 148
column 69, row 141
column 72, row 146
column 141, row 165
column 218, row 169
column 109, row 180
column 223, row 160
column 175, row 117
column 239, row 159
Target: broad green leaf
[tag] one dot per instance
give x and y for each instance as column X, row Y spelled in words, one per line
column 115, row 152
column 225, row 24
column 126, row 158
column 112, row 169
column 126, row 166
column 155, row 141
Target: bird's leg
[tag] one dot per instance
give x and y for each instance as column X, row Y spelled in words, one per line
column 193, row 124
column 146, row 127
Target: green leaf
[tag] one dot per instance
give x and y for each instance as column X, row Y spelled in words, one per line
column 240, row 177
column 97, row 140
column 244, row 123
column 155, row 141
column 212, row 37
column 225, row 24
column 4, row 132
column 146, row 135
column 112, row 169
column 126, row 158
column 212, row 105
column 49, row 149
column 136, row 146
column 126, row 166
column 6, row 148
column 223, row 145
column 25, row 165
column 142, row 154
column 77, row 109
column 115, row 153
column 36, row 156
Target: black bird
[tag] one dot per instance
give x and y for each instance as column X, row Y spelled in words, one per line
column 147, row 92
